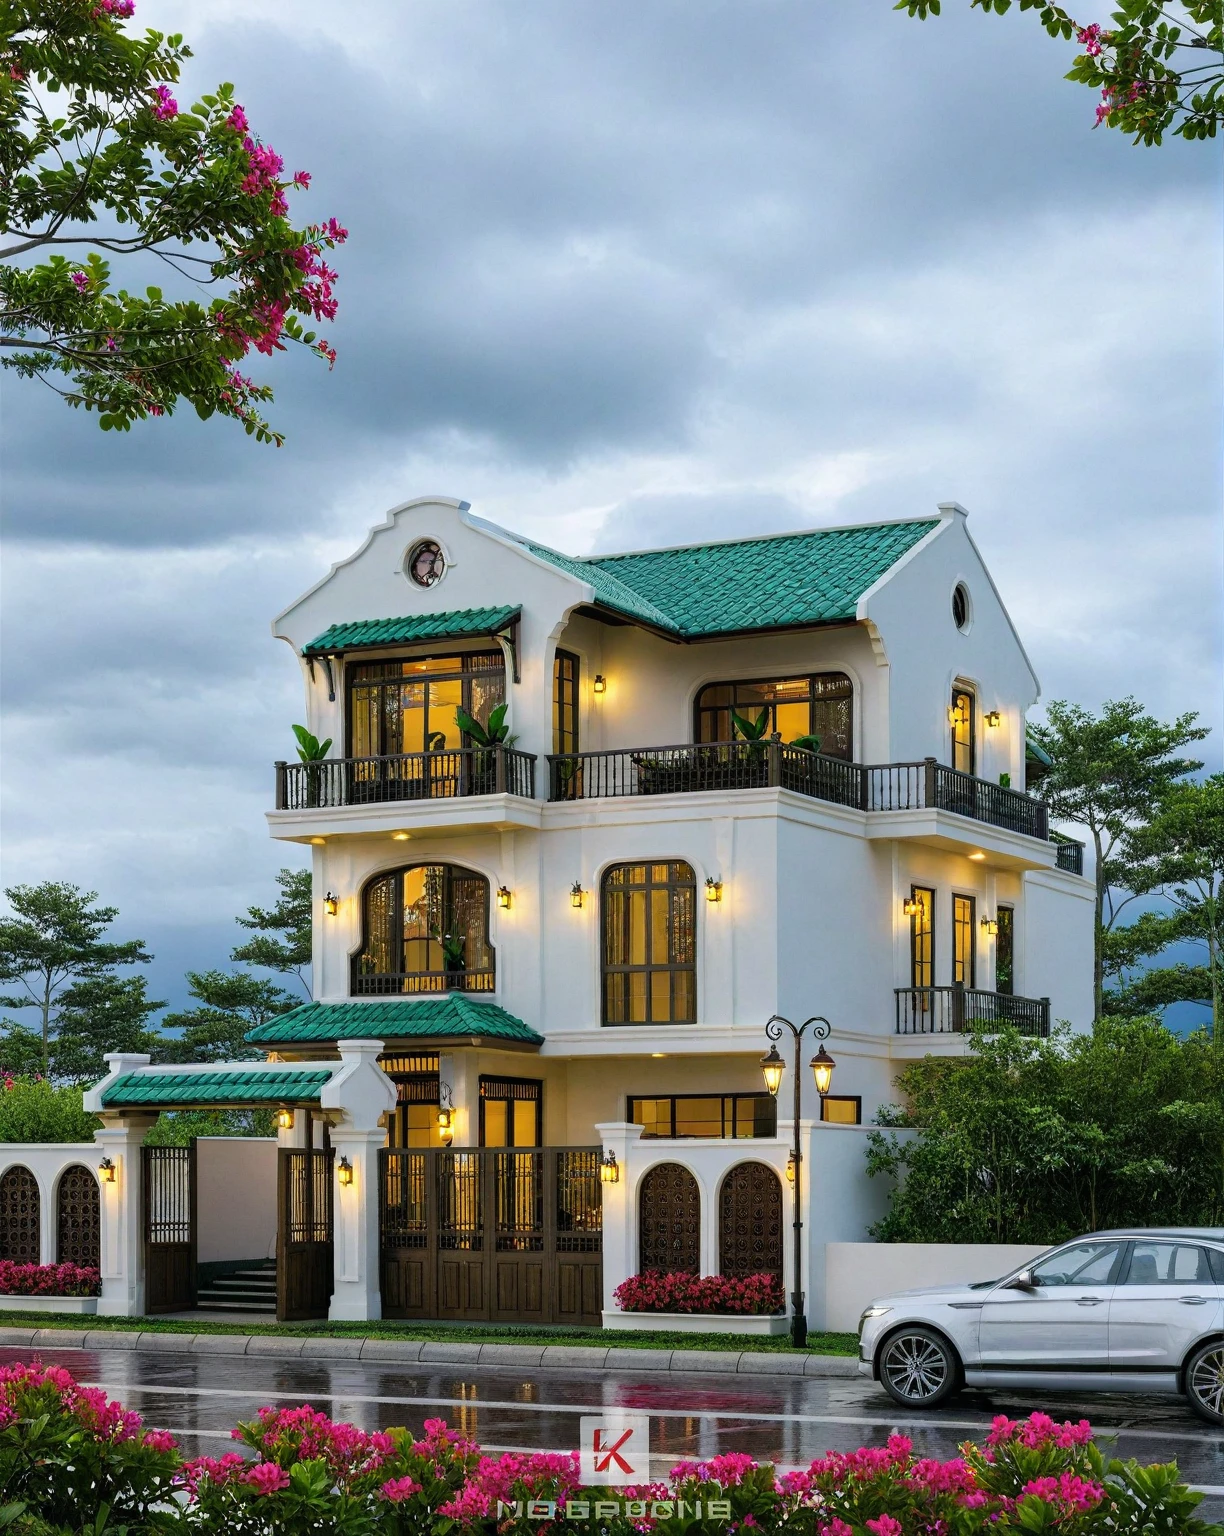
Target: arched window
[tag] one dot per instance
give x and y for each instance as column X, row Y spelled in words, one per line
column 750, row 1221
column 818, row 706
column 669, row 1221
column 426, row 929
column 649, row 944
column 78, row 1218
column 20, row 1239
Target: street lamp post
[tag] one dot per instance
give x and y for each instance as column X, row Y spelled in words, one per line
column 773, row 1066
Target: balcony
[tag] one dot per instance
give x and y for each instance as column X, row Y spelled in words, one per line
column 953, row 1010
column 1069, row 854
column 418, row 983
column 723, row 766
column 454, row 773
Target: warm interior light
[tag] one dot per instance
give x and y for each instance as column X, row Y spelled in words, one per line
column 790, row 1169
column 331, row 904
column 993, row 717
column 400, row 837
column 446, row 1129
column 713, row 889
column 107, row 1169
column 284, row 1120
column 658, row 1055
column 319, row 842
column 609, row 1168
column 600, row 684
column 577, row 894
column 822, row 1065
column 977, row 857
column 772, row 1067
column 911, row 906
column 503, row 897
column 990, row 926
column 954, row 715
column 344, row 1171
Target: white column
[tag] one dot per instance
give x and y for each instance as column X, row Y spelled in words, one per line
column 122, row 1247
column 619, row 1208
column 357, row 1292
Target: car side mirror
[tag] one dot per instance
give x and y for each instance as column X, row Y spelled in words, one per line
column 1021, row 1282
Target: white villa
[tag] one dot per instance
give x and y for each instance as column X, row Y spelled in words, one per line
column 585, row 825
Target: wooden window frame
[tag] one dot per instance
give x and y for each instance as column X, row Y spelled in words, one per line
column 483, row 978
column 843, row 1098
column 535, row 1097
column 566, row 738
column 465, row 673
column 651, row 967
column 917, row 891
column 960, row 900
column 700, row 710
column 961, row 691
column 729, row 1112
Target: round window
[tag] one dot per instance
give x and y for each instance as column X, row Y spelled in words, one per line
column 960, row 606
column 426, row 564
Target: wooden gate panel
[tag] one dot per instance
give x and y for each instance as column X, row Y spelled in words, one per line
column 409, row 1258
column 669, row 1221
column 750, row 1221
column 78, row 1218
column 305, row 1262
column 20, row 1216
column 168, row 1191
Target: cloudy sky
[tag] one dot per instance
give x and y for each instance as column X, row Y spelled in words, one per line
column 622, row 275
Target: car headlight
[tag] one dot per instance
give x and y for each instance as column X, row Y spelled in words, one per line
column 873, row 1312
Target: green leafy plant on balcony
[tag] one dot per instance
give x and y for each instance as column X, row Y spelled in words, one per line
column 310, row 748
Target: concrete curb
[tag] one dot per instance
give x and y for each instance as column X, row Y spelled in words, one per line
column 415, row 1351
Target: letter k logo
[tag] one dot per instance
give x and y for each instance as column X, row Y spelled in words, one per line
column 606, row 1454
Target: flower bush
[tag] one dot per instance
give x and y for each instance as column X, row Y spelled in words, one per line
column 48, row 1280
column 65, row 1450
column 652, row 1292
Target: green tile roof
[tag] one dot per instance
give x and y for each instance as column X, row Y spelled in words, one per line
column 451, row 1016
column 455, row 625
column 746, row 584
column 216, row 1090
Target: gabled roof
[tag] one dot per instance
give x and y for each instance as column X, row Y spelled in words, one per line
column 784, row 581
column 458, row 624
column 208, row 1088
column 453, row 1016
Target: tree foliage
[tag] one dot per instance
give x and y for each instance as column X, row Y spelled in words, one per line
column 98, row 163
column 178, row 1128
column 32, row 1109
column 1034, row 1141
column 1160, row 66
column 232, row 1002
column 283, row 933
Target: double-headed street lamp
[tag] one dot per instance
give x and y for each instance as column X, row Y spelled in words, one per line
column 773, row 1066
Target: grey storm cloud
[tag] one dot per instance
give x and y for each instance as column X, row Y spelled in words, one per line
column 621, row 276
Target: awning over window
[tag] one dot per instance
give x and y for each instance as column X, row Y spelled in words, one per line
column 452, row 1017
column 458, row 624
column 202, row 1088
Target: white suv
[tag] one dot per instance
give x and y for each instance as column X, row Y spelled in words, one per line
column 1129, row 1311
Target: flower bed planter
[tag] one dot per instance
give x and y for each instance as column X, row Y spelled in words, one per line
column 48, row 1304
column 696, row 1322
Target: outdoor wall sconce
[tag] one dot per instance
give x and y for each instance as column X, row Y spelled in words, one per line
column 990, row 926
column 107, row 1169
column 609, row 1168
column 284, row 1120
column 822, row 1065
column 503, row 897
column 600, row 685
column 577, row 894
column 713, row 889
column 446, row 1129
column 790, row 1169
column 992, row 717
column 954, row 715
column 911, row 906
column 400, row 837
column 344, row 1172
column 331, row 904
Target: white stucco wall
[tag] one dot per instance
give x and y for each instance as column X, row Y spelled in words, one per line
column 856, row 1274
column 235, row 1198
column 48, row 1161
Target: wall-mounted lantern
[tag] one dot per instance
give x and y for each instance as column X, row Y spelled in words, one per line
column 503, row 897
column 344, row 1172
column 600, row 685
column 577, row 894
column 993, row 718
column 284, row 1120
column 106, row 1170
column 713, row 889
column 790, row 1168
column 609, row 1168
column 911, row 906
column 331, row 904
column 990, row 926
column 446, row 1127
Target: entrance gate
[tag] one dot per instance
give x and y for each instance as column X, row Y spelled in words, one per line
column 492, row 1234
column 168, row 1189
column 304, row 1230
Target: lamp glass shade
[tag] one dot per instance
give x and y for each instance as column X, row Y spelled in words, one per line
column 344, row 1171
column 576, row 894
column 503, row 896
column 609, row 1169
column 284, row 1120
column 822, row 1071
column 600, row 684
column 790, row 1169
column 332, row 904
column 772, row 1069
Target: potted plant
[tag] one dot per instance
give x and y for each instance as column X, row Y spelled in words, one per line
column 488, row 740
column 312, row 752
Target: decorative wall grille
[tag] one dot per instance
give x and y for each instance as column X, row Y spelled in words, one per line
column 78, row 1218
column 19, row 1216
column 669, row 1206
column 750, row 1221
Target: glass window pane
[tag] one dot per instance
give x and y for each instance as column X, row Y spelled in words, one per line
column 495, row 1122
column 526, row 1115
column 685, row 997
column 660, row 997
column 659, row 904
column 637, row 997
column 1081, row 1264
column 1168, row 1264
column 637, row 928
column 699, row 1116
column 840, row 1111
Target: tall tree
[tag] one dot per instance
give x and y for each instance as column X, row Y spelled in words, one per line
column 231, row 1004
column 1159, row 67
column 99, row 163
column 291, row 917
column 99, row 1014
column 53, row 941
column 1111, row 771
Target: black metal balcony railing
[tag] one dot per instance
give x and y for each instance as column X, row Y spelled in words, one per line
column 927, row 785
column 1069, row 854
column 454, row 772
column 400, row 983
column 953, row 1010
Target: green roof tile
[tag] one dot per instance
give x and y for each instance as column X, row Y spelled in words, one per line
column 746, row 584
column 217, row 1090
column 451, row 1016
column 456, row 624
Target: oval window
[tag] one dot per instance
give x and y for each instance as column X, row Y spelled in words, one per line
column 960, row 606
column 426, row 564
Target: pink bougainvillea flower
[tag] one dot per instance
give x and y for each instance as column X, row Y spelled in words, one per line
column 80, row 281
column 266, row 1477
column 396, row 1489
column 165, row 106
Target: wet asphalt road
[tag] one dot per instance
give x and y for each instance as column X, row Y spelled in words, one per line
column 784, row 1420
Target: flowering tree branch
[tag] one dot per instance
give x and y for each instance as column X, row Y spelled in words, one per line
column 98, row 160
column 1160, row 67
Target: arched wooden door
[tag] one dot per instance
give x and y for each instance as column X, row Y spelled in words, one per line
column 750, row 1221
column 78, row 1219
column 669, row 1221
column 19, row 1216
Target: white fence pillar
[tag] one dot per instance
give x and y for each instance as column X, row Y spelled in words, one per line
column 123, row 1278
column 360, row 1094
column 619, row 1208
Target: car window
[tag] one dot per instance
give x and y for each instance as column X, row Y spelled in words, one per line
column 1081, row 1264
column 1215, row 1258
column 1168, row 1264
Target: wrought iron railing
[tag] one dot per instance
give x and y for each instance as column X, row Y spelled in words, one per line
column 1069, row 853
column 953, row 1010
column 399, row 983
column 928, row 785
column 444, row 775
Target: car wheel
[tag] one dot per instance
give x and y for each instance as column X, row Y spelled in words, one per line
column 1205, row 1381
column 918, row 1368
